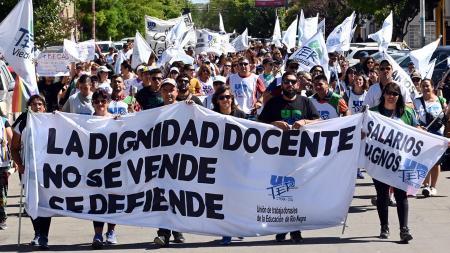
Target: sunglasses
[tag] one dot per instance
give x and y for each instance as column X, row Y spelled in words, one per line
column 98, row 101
column 385, row 68
column 227, row 66
column 183, row 81
column 392, row 93
column 290, row 81
column 242, row 64
column 223, row 97
column 156, row 78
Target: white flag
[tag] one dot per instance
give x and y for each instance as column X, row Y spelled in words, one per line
column 141, row 51
column 276, row 38
column 290, row 35
column 176, row 34
column 428, row 73
column 399, row 75
column 17, row 43
column 221, row 26
column 384, row 36
column 173, row 54
column 240, row 43
column 208, row 41
column 340, row 38
column 307, row 27
column 83, row 51
column 313, row 52
column 421, row 57
column 321, row 27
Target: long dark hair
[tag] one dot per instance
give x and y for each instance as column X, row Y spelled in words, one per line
column 215, row 98
column 399, row 106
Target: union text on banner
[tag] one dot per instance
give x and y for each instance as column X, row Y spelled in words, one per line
column 313, row 52
column 52, row 64
column 192, row 170
column 397, row 154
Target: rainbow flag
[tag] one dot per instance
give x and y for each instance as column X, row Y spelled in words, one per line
column 21, row 94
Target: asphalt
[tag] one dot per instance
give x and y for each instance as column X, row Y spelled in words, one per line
column 429, row 221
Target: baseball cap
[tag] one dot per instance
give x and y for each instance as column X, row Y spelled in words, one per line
column 221, row 79
column 140, row 68
column 168, row 81
column 103, row 69
column 415, row 74
column 363, row 54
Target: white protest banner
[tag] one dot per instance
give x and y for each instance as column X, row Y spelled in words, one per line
column 341, row 36
column 384, row 36
column 141, row 51
column 17, row 43
column 307, row 27
column 421, row 57
column 83, row 51
column 313, row 52
column 191, row 170
column 399, row 75
column 240, row 43
column 157, row 30
column 52, row 64
column 397, row 154
column 290, row 35
column 208, row 41
column 321, row 27
column 276, row 37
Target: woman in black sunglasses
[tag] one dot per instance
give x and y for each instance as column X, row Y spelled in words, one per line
column 392, row 104
column 223, row 102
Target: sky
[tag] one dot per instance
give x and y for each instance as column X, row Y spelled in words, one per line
column 200, row 1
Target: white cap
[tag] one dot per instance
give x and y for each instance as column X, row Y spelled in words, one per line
column 219, row 79
column 169, row 81
column 103, row 69
column 140, row 67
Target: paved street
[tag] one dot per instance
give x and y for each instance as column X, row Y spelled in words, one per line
column 429, row 223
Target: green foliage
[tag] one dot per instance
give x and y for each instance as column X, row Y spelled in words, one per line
column 238, row 15
column 117, row 19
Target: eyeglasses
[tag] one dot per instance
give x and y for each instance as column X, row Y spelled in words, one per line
column 386, row 68
column 223, row 97
column 243, row 64
column 228, row 66
column 183, row 81
column 289, row 81
column 155, row 78
column 98, row 101
column 392, row 93
column 191, row 69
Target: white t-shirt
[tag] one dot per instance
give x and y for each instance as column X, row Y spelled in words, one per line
column 355, row 102
column 106, row 85
column 243, row 89
column 434, row 108
column 118, row 108
column 132, row 82
column 374, row 94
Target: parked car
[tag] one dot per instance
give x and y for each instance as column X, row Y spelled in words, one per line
column 356, row 50
column 104, row 46
column 6, row 89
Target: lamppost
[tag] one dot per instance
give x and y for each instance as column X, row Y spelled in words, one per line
column 93, row 19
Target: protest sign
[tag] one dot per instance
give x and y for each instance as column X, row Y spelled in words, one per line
column 397, row 154
column 208, row 41
column 83, row 51
column 53, row 64
column 157, row 30
column 192, row 170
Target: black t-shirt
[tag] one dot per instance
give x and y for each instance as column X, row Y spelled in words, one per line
column 238, row 114
column 50, row 92
column 148, row 99
column 278, row 109
column 193, row 98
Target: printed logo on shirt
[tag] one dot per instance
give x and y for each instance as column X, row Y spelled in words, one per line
column 291, row 116
column 324, row 115
column 357, row 106
column 240, row 89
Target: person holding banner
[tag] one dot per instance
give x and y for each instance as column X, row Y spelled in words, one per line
column 289, row 111
column 169, row 93
column 100, row 102
column 392, row 104
column 432, row 115
column 41, row 225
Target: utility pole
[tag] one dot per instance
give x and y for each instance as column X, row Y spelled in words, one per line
column 422, row 23
column 93, row 19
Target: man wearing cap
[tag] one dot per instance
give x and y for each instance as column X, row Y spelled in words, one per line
column 416, row 78
column 183, row 90
column 218, row 81
column 149, row 96
column 373, row 96
column 247, row 88
column 267, row 75
column 169, row 93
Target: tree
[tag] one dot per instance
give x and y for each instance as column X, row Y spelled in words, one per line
column 50, row 27
column 116, row 19
column 238, row 15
